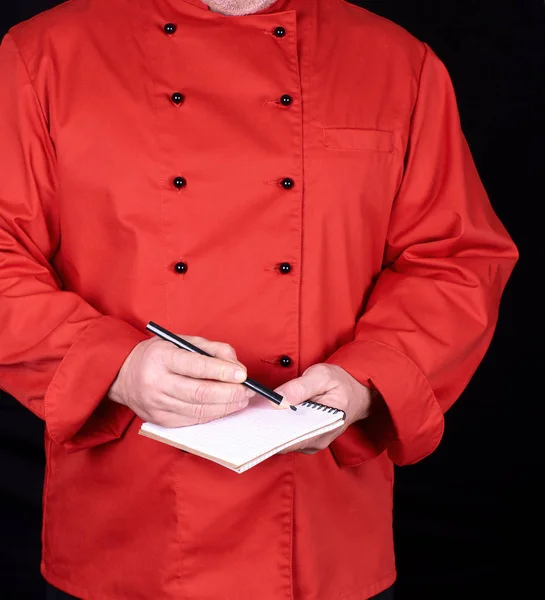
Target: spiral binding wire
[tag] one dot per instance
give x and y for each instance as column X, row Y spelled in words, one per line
column 323, row 407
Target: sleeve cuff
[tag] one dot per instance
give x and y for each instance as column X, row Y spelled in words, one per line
column 77, row 413
column 408, row 423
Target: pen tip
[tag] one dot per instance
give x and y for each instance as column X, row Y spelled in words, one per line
column 293, row 407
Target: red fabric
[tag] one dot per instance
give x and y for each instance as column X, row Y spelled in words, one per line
column 398, row 265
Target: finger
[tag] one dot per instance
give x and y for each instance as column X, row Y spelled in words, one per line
column 197, row 366
column 192, row 413
column 216, row 349
column 314, row 382
column 173, row 419
column 204, row 391
column 302, row 448
column 320, row 443
column 168, row 419
column 316, row 444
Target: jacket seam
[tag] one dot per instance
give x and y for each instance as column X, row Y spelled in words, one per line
column 30, row 79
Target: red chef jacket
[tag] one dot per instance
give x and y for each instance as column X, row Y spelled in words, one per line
column 136, row 135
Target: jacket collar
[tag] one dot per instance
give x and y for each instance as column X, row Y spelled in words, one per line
column 277, row 6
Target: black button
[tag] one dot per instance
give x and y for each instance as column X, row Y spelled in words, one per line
column 279, row 31
column 287, row 183
column 170, row 28
column 180, row 267
column 285, row 268
column 286, row 100
column 285, row 361
column 177, row 98
column 179, row 182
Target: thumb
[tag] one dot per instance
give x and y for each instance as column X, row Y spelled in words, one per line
column 302, row 388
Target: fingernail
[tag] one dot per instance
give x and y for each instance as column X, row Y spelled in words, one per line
column 240, row 375
column 249, row 393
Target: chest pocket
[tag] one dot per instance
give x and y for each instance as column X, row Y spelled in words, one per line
column 349, row 139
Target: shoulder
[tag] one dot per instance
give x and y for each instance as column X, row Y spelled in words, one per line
column 363, row 29
column 70, row 13
column 60, row 27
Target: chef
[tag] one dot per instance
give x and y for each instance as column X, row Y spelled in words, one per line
column 284, row 183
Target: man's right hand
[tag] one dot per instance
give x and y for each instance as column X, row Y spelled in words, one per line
column 171, row 387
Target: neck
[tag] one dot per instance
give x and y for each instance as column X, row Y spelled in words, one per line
column 238, row 7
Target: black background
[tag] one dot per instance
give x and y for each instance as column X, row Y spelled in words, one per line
column 467, row 518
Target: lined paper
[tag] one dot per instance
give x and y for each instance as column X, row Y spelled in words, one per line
column 247, row 437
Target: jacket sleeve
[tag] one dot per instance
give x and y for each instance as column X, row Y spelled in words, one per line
column 58, row 355
column 432, row 312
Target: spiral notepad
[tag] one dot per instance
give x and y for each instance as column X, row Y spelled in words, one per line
column 246, row 438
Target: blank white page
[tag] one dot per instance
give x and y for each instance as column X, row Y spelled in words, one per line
column 250, row 435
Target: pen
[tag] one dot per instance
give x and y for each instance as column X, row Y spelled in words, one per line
column 168, row 336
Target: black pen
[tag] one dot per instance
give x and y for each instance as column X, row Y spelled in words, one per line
column 168, row 336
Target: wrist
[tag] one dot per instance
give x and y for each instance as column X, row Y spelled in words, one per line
column 363, row 408
column 120, row 389
column 114, row 393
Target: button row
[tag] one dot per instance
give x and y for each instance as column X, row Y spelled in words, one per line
column 285, row 361
column 178, row 98
column 287, row 183
column 180, row 182
column 284, row 268
column 171, row 28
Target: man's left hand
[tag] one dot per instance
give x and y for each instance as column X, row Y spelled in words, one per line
column 331, row 385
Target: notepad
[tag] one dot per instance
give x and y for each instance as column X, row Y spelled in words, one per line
column 243, row 439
